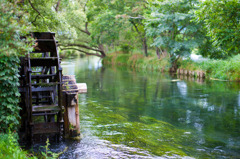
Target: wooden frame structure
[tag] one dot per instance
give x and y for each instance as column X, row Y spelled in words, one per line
column 41, row 88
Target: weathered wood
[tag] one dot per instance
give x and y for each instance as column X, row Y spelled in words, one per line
column 41, row 86
column 44, row 108
column 82, row 87
column 47, row 61
column 71, row 114
column 44, row 91
column 46, row 128
column 44, row 76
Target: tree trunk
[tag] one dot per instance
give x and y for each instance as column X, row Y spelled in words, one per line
column 157, row 52
column 145, row 46
column 100, row 47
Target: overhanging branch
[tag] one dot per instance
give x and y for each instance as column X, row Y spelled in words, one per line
column 87, row 53
column 82, row 46
column 39, row 14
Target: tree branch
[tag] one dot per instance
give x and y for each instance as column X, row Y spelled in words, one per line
column 135, row 26
column 82, row 46
column 86, row 29
column 87, row 53
column 39, row 14
column 57, row 6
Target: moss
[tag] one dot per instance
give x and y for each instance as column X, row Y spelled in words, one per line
column 157, row 137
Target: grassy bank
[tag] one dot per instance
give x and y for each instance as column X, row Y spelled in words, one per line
column 9, row 148
column 228, row 69
column 138, row 61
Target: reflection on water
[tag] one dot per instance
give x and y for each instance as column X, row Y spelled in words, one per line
column 136, row 114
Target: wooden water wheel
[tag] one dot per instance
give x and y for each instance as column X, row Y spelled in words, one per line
column 41, row 88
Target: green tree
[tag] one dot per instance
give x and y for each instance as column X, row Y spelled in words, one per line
column 170, row 24
column 13, row 25
column 133, row 12
column 117, row 22
column 221, row 19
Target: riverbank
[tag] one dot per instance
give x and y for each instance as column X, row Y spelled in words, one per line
column 9, row 148
column 228, row 69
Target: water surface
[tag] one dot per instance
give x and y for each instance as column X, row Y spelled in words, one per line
column 135, row 114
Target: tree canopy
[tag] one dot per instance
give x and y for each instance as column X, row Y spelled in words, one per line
column 172, row 27
column 221, row 20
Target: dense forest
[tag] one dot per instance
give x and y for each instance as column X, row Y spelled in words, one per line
column 156, row 29
column 96, row 27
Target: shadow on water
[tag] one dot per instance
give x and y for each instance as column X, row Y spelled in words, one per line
column 135, row 114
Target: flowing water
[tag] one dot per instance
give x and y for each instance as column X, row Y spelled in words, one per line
column 135, row 114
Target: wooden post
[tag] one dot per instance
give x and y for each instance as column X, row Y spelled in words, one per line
column 71, row 114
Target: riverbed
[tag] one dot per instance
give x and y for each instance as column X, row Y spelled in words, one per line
column 135, row 114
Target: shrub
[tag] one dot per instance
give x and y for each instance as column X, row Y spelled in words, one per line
column 9, row 148
column 126, row 48
column 13, row 25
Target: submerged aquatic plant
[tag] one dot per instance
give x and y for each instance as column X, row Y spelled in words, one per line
column 147, row 133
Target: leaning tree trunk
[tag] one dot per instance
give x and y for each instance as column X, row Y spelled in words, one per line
column 100, row 47
column 145, row 48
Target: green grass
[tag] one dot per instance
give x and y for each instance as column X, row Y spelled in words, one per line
column 138, row 61
column 228, row 69
column 10, row 149
column 223, row 69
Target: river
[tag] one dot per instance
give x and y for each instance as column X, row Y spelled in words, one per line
column 137, row 114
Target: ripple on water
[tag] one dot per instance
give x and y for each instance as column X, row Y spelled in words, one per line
column 94, row 148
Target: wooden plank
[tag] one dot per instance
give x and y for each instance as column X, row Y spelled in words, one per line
column 82, row 87
column 70, row 87
column 43, row 35
column 69, row 77
column 42, row 89
column 42, row 114
column 72, row 116
column 46, row 128
column 46, row 84
column 43, row 108
column 69, row 82
column 46, row 61
column 45, row 40
column 43, row 76
column 40, row 97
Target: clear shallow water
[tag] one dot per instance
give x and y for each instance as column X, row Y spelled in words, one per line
column 136, row 114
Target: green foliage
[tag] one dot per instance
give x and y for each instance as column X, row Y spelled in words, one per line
column 43, row 15
column 126, row 48
column 223, row 69
column 188, row 64
column 138, row 61
column 101, row 15
column 170, row 24
column 48, row 154
column 221, row 19
column 9, row 148
column 227, row 69
column 13, row 25
column 9, row 109
column 155, row 136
